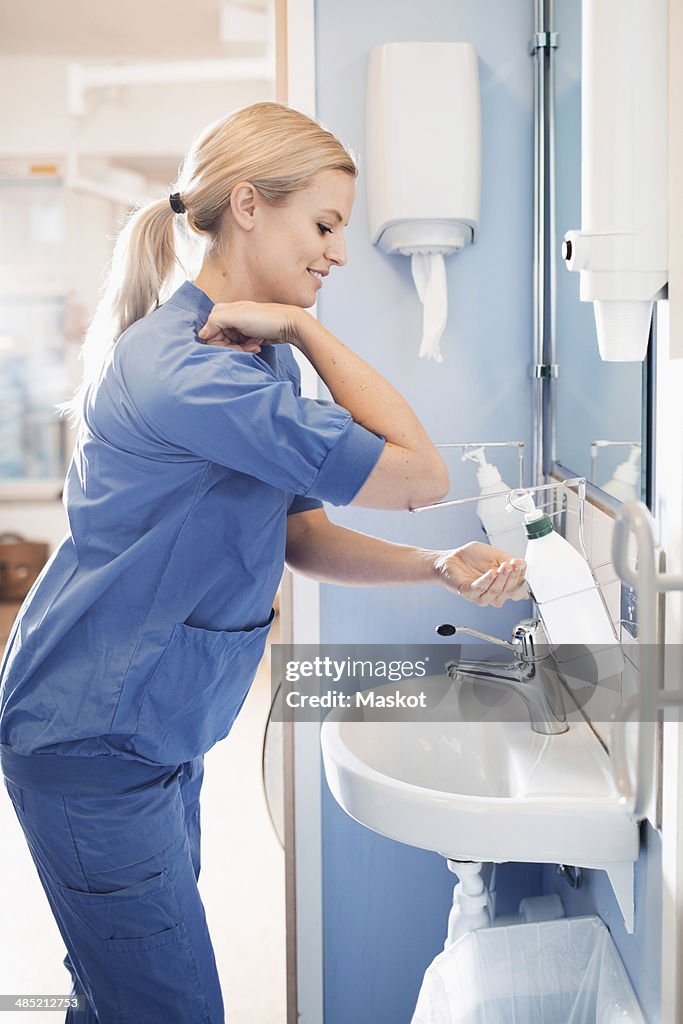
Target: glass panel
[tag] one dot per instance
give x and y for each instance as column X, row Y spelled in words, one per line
column 33, row 378
column 33, row 350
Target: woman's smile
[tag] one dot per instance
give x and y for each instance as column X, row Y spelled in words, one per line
column 318, row 275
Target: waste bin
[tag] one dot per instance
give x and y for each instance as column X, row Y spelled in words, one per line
column 554, row 972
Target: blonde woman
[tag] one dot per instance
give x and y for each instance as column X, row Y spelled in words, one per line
column 198, row 468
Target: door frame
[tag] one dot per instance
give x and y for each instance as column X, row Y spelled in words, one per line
column 300, row 623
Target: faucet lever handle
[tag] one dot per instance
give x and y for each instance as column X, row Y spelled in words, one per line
column 446, row 629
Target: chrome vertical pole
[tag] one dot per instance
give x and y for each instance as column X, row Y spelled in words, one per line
column 537, row 354
column 551, row 348
column 544, row 368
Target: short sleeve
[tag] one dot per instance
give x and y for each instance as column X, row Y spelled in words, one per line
column 299, row 503
column 230, row 408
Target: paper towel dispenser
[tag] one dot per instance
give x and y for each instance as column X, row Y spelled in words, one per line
column 423, row 164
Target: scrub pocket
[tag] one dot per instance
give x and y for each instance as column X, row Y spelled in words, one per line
column 197, row 690
column 138, row 931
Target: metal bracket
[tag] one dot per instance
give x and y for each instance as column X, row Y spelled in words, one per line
column 543, row 41
column 573, row 876
column 545, row 371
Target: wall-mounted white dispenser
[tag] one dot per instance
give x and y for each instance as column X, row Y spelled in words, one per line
column 502, row 524
column 621, row 249
column 423, row 164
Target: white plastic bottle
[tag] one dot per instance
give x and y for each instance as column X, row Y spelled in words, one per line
column 504, row 528
column 625, row 480
column 562, row 585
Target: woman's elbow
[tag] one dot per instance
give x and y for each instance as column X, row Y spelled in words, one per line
column 403, row 480
column 432, row 486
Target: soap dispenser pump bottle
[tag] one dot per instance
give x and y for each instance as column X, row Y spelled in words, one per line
column 562, row 585
column 625, row 480
column 503, row 526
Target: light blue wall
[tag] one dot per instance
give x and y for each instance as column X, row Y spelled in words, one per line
column 385, row 904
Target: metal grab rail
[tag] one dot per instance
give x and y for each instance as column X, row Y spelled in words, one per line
column 634, row 517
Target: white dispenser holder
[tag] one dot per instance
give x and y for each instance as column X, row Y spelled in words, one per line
column 424, row 164
column 621, row 249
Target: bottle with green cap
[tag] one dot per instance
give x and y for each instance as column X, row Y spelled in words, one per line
column 562, row 584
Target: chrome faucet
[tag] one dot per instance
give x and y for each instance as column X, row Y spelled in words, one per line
column 532, row 673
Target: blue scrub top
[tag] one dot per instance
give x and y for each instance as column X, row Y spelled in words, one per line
column 143, row 633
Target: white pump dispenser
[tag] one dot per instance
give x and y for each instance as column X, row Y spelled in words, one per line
column 504, row 526
column 562, row 585
column 623, row 485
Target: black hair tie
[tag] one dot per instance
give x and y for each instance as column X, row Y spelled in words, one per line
column 177, row 205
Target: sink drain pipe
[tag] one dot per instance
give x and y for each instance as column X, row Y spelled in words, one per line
column 474, row 902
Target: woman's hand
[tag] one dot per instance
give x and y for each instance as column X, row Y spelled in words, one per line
column 482, row 574
column 247, row 326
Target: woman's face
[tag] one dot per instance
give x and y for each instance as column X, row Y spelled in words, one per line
column 293, row 246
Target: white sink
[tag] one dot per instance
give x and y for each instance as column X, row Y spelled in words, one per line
column 479, row 790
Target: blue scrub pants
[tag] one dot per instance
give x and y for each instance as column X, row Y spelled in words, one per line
column 116, row 845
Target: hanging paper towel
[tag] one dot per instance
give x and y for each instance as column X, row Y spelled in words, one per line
column 429, row 275
column 423, row 164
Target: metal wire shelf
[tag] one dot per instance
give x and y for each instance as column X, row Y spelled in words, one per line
column 555, row 504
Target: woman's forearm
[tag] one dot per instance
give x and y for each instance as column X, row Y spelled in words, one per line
column 334, row 554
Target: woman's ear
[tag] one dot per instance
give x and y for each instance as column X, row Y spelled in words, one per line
column 243, row 202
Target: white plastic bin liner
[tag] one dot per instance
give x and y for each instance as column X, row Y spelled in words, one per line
column 554, row 972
